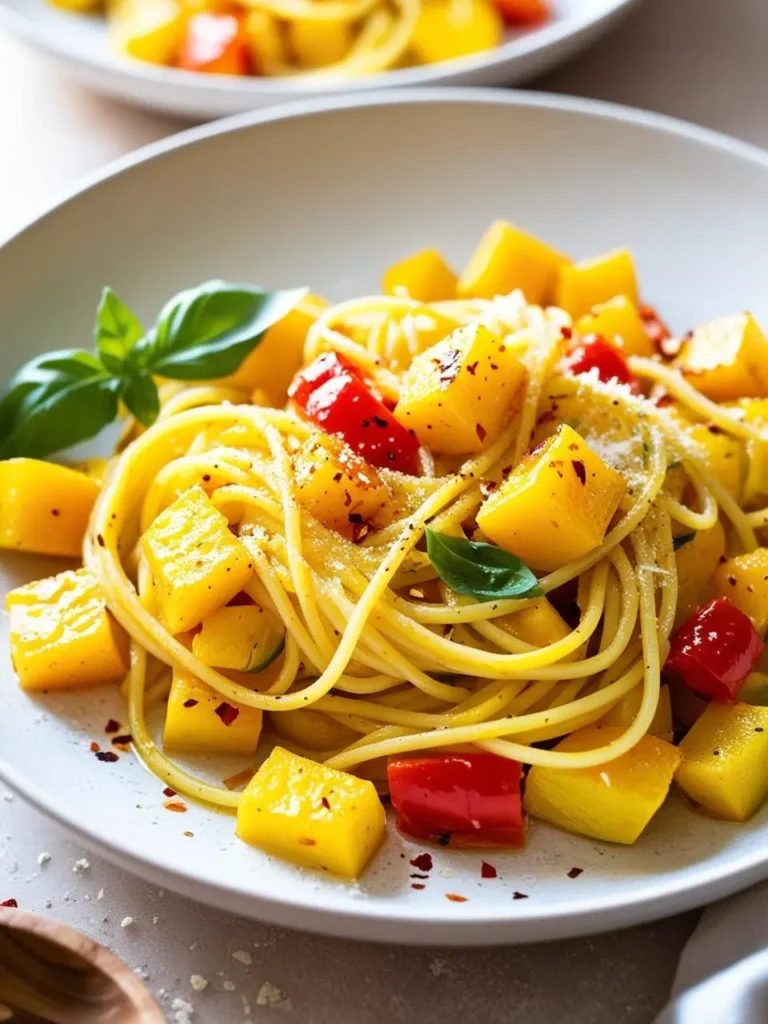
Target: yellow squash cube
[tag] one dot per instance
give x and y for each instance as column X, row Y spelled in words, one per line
column 459, row 393
column 316, row 44
column 94, row 468
column 725, row 760
column 446, row 30
column 508, row 258
column 696, row 564
column 613, row 801
column 311, row 814
column 244, row 637
column 149, row 30
column 725, row 454
column 619, row 322
column 339, row 487
column 263, row 33
column 744, row 581
column 727, row 359
column 539, row 624
column 424, row 276
column 271, row 366
column 556, row 505
column 201, row 721
column 755, row 492
column 44, row 507
column 80, row 6
column 196, row 563
column 312, row 729
column 580, row 286
column 623, row 713
column 61, row 635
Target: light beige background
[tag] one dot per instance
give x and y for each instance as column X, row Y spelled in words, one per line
column 704, row 60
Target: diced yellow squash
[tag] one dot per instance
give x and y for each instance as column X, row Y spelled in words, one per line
column 696, row 564
column 539, row 624
column 77, row 5
column 94, row 468
column 61, row 635
column 44, row 507
column 727, row 359
column 243, row 637
column 623, row 713
column 272, row 365
column 316, row 44
column 508, row 258
column 725, row 760
column 556, row 504
column 446, row 30
column 149, row 30
column 201, row 721
column 312, row 814
column 312, row 729
column 339, row 487
column 726, row 456
column 424, row 276
column 263, row 33
column 458, row 394
column 580, row 286
column 755, row 493
column 619, row 322
column 196, row 563
column 613, row 801
column 744, row 581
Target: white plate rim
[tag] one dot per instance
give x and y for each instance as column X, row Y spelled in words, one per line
column 703, row 881
column 526, row 46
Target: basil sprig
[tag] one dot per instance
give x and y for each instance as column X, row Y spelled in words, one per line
column 61, row 398
column 480, row 570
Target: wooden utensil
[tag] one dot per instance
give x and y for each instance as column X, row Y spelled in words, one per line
column 51, row 974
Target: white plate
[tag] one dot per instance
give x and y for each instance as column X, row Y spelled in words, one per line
column 81, row 43
column 305, row 195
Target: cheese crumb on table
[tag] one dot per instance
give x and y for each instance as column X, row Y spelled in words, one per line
column 198, row 982
column 242, row 957
column 126, row 922
column 43, row 859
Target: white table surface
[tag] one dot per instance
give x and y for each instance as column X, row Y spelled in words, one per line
column 704, row 60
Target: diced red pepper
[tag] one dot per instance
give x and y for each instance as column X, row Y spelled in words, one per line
column 655, row 327
column 714, row 650
column 524, row 12
column 215, row 42
column 592, row 351
column 471, row 799
column 332, row 393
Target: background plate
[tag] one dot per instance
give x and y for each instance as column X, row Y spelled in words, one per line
column 81, row 43
column 329, row 197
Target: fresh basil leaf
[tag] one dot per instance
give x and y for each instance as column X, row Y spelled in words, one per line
column 117, row 331
column 45, row 372
column 207, row 332
column 141, row 397
column 60, row 413
column 682, row 540
column 480, row 570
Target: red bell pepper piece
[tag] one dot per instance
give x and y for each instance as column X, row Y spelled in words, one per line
column 471, row 799
column 524, row 12
column 332, row 393
column 714, row 650
column 214, row 42
column 593, row 351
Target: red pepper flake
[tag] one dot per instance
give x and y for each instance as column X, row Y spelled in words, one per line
column 418, row 885
column 112, row 726
column 307, row 841
column 123, row 741
column 94, row 748
column 580, row 470
column 9, row 903
column 106, row 755
column 519, row 895
column 175, row 805
column 100, row 540
column 575, row 872
column 241, row 779
column 488, row 870
column 191, row 703
column 417, row 875
column 423, row 862
column 567, row 333
column 380, row 422
column 226, row 712
column 55, row 512
column 169, row 792
column 189, row 835
column 481, row 432
column 471, row 368
column 359, row 532
column 455, row 898
column 325, row 803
